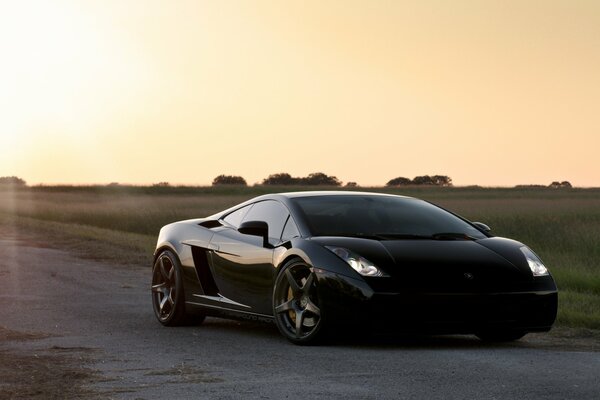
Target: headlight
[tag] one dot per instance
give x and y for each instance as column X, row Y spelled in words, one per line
column 358, row 263
column 536, row 265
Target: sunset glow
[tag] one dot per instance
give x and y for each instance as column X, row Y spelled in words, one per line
column 487, row 92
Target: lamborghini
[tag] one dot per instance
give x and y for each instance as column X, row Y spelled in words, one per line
column 322, row 264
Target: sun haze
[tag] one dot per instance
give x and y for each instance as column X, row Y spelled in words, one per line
column 487, row 92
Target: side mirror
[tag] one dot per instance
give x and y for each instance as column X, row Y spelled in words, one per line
column 481, row 226
column 256, row 228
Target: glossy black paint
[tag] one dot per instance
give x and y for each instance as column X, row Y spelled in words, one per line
column 256, row 228
column 459, row 286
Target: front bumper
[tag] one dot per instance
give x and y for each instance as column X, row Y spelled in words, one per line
column 463, row 313
column 354, row 302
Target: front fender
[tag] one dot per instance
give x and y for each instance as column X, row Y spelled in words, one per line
column 313, row 254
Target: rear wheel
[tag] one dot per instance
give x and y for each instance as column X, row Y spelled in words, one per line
column 296, row 307
column 501, row 335
column 168, row 298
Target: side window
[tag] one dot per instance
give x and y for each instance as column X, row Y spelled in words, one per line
column 235, row 218
column 290, row 230
column 273, row 213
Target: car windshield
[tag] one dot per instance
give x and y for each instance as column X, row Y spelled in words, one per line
column 381, row 217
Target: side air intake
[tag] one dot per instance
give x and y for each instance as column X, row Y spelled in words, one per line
column 209, row 287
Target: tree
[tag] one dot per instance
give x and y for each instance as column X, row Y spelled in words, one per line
column 229, row 180
column 314, row 179
column 319, row 178
column 281, row 179
column 351, row 184
column 423, row 180
column 435, row 180
column 441, row 180
column 563, row 184
column 399, row 181
column 161, row 184
column 566, row 184
column 12, row 180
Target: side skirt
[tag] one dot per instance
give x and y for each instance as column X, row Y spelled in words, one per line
column 224, row 312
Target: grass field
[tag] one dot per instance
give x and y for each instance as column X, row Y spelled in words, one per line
column 121, row 224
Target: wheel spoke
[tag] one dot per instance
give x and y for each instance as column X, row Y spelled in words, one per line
column 163, row 302
column 160, row 288
column 288, row 305
column 308, row 284
column 299, row 321
column 171, row 274
column 163, row 271
column 312, row 308
column 293, row 284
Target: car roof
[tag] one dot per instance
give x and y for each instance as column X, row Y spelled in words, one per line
column 332, row 193
column 286, row 199
column 286, row 196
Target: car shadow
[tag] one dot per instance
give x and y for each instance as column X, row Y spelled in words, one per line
column 424, row 341
column 268, row 331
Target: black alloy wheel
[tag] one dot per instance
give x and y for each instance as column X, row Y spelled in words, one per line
column 168, row 298
column 296, row 304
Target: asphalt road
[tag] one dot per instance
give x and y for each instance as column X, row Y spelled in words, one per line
column 98, row 318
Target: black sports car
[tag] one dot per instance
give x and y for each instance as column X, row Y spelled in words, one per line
column 319, row 262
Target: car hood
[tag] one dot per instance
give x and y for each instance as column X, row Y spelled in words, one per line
column 443, row 265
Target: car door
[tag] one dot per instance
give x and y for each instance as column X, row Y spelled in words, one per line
column 242, row 267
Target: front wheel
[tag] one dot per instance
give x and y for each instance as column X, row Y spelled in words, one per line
column 168, row 298
column 296, row 306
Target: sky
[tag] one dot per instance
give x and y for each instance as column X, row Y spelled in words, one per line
column 494, row 93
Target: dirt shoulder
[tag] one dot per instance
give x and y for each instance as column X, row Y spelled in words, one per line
column 33, row 365
column 43, row 373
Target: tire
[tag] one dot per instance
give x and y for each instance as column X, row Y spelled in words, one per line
column 168, row 297
column 501, row 335
column 298, row 313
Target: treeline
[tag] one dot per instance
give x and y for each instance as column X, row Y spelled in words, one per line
column 314, row 179
column 553, row 185
column 321, row 179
